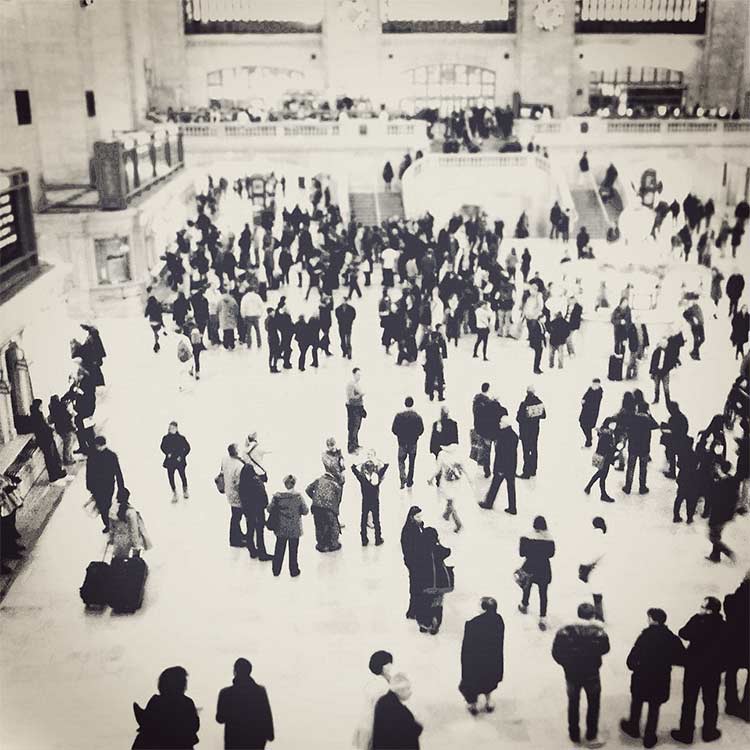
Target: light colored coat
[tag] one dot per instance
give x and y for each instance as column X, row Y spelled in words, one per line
column 231, row 468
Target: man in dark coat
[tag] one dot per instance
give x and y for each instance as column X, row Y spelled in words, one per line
column 435, row 350
column 487, row 413
column 345, row 315
column 482, row 656
column 705, row 632
column 590, row 404
column 45, row 440
column 199, row 303
column 394, row 726
column 734, row 288
column 737, row 611
column 325, row 308
column 102, row 473
column 370, row 476
column 639, row 429
column 244, row 710
column 274, row 339
column 504, row 468
column 651, row 659
column 530, row 413
column 285, row 327
column 254, row 503
column 407, row 427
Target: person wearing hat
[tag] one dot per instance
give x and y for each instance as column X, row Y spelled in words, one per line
column 175, row 448
column 482, row 656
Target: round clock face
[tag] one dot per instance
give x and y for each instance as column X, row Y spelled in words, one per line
column 354, row 13
column 549, row 14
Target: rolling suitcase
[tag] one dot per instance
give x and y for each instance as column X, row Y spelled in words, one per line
column 95, row 589
column 615, row 367
column 127, row 584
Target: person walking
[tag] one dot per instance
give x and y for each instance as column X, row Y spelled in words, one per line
column 370, row 475
column 530, row 413
column 61, row 419
column 175, row 447
column 170, row 719
column 45, row 440
column 705, row 633
column 285, row 520
column 722, row 496
column 244, row 710
column 444, row 432
column 411, row 539
column 578, row 648
column 394, row 726
column 737, row 612
column 355, row 410
column 482, row 663
column 594, row 563
column 254, row 501
column 537, row 550
column 487, row 412
column 229, row 485
column 484, row 318
column 407, row 427
column 740, row 331
column 590, row 404
column 433, row 579
column 325, row 493
column 127, row 530
column 656, row 650
column 607, row 449
column 639, row 429
column 448, row 479
column 274, row 340
column 734, row 288
column 504, row 467
column 436, row 351
column 155, row 315
column 382, row 672
column 345, row 315
column 102, row 474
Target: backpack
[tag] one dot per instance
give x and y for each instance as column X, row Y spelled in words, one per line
column 183, row 351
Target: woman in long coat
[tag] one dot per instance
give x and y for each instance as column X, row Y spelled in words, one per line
column 170, row 720
column 411, row 535
column 431, row 581
column 740, row 330
column 537, row 549
column 231, row 468
column 325, row 493
column 228, row 311
column 482, row 663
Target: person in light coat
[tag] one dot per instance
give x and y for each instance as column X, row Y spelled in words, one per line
column 287, row 507
column 595, row 562
column 231, row 468
column 127, row 530
column 450, row 478
column 228, row 313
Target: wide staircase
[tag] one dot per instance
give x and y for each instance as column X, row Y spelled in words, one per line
column 589, row 208
column 372, row 208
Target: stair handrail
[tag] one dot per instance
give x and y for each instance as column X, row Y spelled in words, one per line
column 589, row 179
column 563, row 188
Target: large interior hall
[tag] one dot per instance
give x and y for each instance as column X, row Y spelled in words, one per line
column 374, row 374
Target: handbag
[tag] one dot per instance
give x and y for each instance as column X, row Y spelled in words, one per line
column 450, row 577
column 584, row 571
column 219, row 482
column 597, row 460
column 522, row 577
column 272, row 522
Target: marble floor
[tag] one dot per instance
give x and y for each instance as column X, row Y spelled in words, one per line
column 69, row 677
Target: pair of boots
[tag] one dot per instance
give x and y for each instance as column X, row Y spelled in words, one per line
column 185, row 494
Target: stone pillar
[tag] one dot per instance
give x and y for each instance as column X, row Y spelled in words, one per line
column 351, row 48
column 545, row 58
column 7, row 428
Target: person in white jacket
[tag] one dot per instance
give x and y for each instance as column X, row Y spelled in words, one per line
column 593, row 568
column 450, row 477
column 251, row 310
column 484, row 318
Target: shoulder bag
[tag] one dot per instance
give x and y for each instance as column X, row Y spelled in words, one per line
column 219, row 482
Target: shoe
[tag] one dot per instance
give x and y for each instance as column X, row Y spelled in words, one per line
column 669, row 475
column 713, row 559
column 489, row 707
column 484, row 359
column 538, row 372
column 458, row 528
column 587, row 490
column 335, row 548
column 523, row 476
column 185, row 494
column 689, row 520
column 677, row 519
column 253, row 554
column 523, row 608
column 423, row 629
column 276, row 573
column 485, row 506
column 410, row 483
column 542, row 625
column 403, row 484
column 738, row 712
column 588, row 444
column 629, row 729
column 487, row 473
column 237, row 544
column 596, row 742
column 476, row 356
column 265, row 557
column 174, row 496
column 378, row 542
column 510, row 512
column 320, row 548
column 105, row 530
column 365, row 542
column 575, row 739
column 679, row 736
column 626, row 490
column 643, row 490
column 607, row 499
column 473, row 710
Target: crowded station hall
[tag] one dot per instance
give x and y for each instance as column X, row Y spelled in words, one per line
column 332, row 336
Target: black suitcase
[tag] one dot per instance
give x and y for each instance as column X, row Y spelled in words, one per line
column 615, row 367
column 96, row 585
column 128, row 581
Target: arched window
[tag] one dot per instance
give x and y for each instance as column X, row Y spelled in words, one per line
column 447, row 87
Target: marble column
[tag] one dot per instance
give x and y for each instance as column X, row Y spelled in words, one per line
column 545, row 58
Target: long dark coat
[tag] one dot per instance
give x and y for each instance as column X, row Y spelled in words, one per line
column 537, row 551
column 656, row 650
column 737, row 611
column 168, row 723
column 245, row 712
column 102, row 472
column 394, row 726
column 482, row 663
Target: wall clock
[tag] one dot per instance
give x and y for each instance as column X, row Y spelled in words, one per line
column 355, row 13
column 549, row 14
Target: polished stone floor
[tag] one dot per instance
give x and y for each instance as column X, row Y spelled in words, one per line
column 69, row 678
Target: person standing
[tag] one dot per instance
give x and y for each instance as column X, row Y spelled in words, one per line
column 387, row 176
column 504, row 467
column 325, row 493
column 433, row 579
column 170, row 718
column 656, row 650
column 578, row 648
column 530, row 412
column 484, row 318
column 175, row 448
column 487, row 412
column 355, row 410
column 285, row 328
column 285, row 520
column 62, row 420
column 411, row 540
column 274, row 340
column 102, row 474
column 45, row 440
column 734, row 288
column 228, row 311
column 590, row 404
column 606, row 451
column 737, row 612
column 251, row 309
column 345, row 315
column 394, row 726
column 559, row 333
column 407, row 427
column 254, row 500
column 244, row 710
column 231, row 468
column 482, row 664
column 639, row 429
column 705, row 633
column 740, row 331
column 722, row 495
column 444, row 432
column 370, row 475
column 436, row 351
column 537, row 551
column 595, row 562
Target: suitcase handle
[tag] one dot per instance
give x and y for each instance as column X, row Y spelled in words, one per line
column 106, row 550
